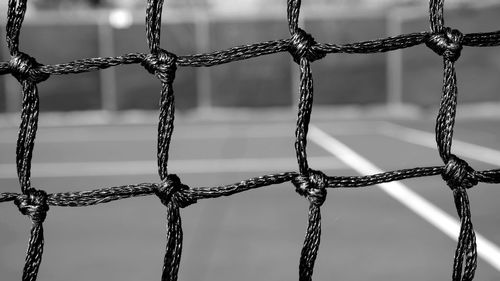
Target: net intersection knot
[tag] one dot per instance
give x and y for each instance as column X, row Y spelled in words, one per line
column 304, row 46
column 24, row 67
column 33, row 204
column 162, row 63
column 446, row 43
column 312, row 186
column 172, row 190
column 457, row 173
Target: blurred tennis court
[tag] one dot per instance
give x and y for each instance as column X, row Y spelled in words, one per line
column 367, row 234
column 237, row 121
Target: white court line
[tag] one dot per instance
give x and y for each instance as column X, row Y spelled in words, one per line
column 196, row 166
column 426, row 139
column 432, row 214
column 90, row 134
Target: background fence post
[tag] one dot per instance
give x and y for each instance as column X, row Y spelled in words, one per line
column 203, row 83
column 109, row 97
column 394, row 62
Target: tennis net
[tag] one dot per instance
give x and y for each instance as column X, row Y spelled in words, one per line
column 312, row 184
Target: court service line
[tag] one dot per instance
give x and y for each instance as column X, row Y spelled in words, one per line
column 426, row 139
column 429, row 212
column 143, row 134
column 194, row 166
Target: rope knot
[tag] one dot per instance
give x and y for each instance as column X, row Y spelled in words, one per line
column 33, row 204
column 447, row 43
column 313, row 186
column 162, row 64
column 457, row 173
column 172, row 190
column 303, row 46
column 24, row 67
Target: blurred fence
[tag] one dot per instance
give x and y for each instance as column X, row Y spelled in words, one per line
column 409, row 76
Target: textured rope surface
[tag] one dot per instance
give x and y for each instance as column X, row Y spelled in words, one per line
column 303, row 48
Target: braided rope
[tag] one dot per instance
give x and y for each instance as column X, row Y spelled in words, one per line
column 459, row 176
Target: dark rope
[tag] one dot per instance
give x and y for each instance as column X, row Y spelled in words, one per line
column 309, row 183
column 34, row 205
column 163, row 64
column 304, row 50
column 459, row 176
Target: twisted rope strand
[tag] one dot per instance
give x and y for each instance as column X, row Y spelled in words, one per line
column 459, row 176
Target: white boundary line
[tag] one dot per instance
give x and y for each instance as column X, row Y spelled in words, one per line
column 91, row 134
column 430, row 213
column 426, row 139
column 195, row 166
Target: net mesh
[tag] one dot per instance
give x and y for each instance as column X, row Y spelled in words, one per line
column 312, row 184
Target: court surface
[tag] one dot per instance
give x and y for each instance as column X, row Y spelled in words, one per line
column 368, row 234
